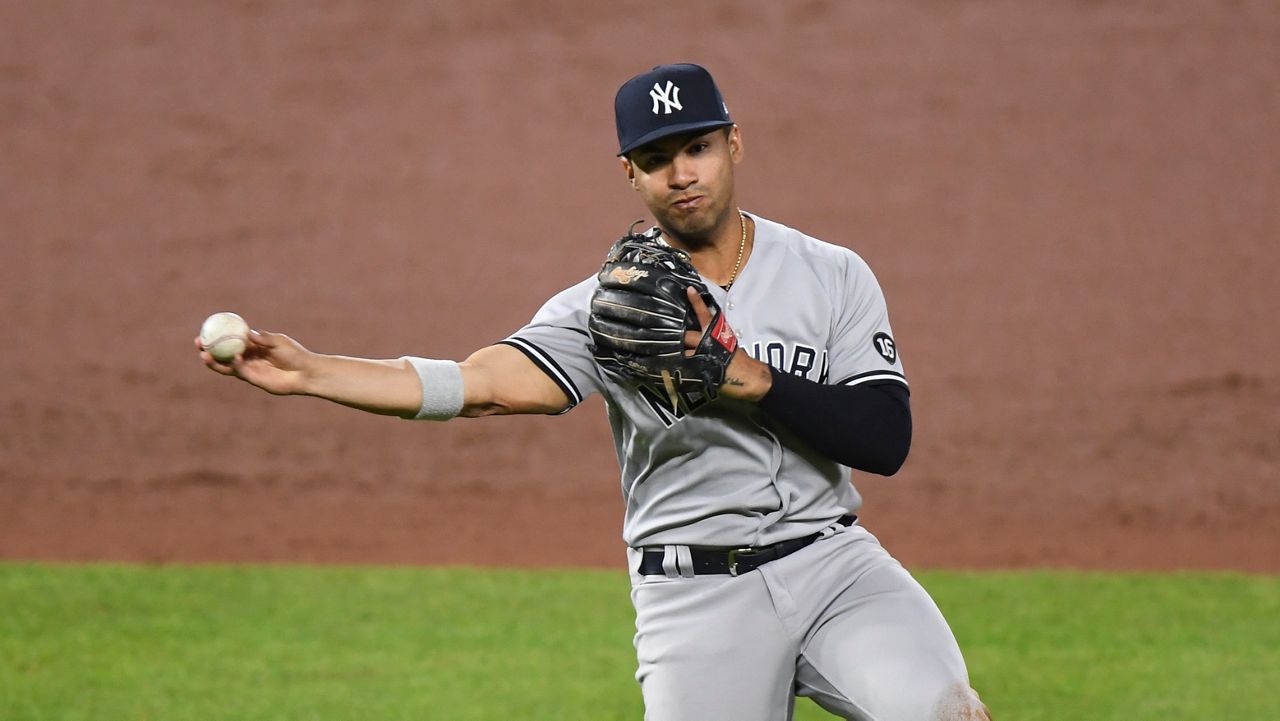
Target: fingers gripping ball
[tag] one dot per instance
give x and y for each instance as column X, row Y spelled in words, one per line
column 639, row 316
column 224, row 335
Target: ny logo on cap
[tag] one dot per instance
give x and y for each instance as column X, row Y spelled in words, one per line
column 670, row 98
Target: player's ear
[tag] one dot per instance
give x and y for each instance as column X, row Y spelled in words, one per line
column 630, row 170
column 735, row 144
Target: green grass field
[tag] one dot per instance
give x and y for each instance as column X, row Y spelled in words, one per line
column 121, row 642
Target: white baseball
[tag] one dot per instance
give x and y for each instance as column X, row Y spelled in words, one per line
column 224, row 335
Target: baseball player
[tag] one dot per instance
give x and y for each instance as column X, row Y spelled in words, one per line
column 752, row 580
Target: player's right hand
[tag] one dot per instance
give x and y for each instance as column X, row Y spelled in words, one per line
column 273, row 362
column 745, row 378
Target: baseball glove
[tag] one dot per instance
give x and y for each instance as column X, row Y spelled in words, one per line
column 639, row 316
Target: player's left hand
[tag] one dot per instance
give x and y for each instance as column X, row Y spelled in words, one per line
column 745, row 378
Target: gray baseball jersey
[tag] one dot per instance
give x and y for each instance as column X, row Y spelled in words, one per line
column 725, row 474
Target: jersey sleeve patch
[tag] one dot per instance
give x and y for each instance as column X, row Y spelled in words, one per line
column 549, row 366
column 883, row 344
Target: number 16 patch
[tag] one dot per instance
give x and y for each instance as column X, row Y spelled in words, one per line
column 883, row 343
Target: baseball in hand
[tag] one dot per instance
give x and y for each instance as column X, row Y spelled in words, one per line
column 224, row 335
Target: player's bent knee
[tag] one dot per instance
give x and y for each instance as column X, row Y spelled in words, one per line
column 961, row 703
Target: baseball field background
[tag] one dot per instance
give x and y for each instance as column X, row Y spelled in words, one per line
column 1071, row 206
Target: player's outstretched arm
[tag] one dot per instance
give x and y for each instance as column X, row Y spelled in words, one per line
column 495, row 380
column 500, row 380
column 281, row 365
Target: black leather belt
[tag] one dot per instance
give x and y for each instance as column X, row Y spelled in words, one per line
column 733, row 561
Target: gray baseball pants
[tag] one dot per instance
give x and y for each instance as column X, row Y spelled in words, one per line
column 839, row 621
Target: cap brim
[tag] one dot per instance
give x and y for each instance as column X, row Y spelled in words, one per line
column 669, row 130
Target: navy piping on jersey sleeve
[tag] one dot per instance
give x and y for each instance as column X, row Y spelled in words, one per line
column 872, row 376
column 863, row 423
column 549, row 366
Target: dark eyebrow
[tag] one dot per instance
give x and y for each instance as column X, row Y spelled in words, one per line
column 654, row 149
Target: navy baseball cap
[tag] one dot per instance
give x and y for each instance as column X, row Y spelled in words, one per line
column 667, row 100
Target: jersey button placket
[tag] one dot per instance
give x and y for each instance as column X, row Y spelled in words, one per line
column 728, row 306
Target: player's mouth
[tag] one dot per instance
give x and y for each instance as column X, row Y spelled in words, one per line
column 692, row 202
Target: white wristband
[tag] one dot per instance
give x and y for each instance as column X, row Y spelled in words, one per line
column 442, row 395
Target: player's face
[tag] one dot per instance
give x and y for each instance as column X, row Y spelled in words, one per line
column 687, row 182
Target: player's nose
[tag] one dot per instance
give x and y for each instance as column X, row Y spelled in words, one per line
column 683, row 173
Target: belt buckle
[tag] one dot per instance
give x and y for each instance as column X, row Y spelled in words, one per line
column 733, row 558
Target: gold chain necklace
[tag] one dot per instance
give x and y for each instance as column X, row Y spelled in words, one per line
column 742, row 246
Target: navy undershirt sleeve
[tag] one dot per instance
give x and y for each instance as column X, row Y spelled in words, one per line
column 867, row 426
